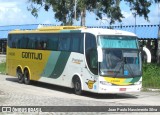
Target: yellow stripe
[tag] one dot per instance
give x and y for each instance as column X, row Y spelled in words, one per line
column 117, row 81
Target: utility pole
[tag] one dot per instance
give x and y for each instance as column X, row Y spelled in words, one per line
column 134, row 12
column 135, row 23
column 75, row 11
column 158, row 40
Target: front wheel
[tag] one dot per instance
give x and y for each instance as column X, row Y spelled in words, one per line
column 26, row 77
column 77, row 86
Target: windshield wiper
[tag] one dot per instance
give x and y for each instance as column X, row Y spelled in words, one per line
column 121, row 66
column 130, row 70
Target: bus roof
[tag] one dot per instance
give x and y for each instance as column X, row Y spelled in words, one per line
column 68, row 29
column 101, row 31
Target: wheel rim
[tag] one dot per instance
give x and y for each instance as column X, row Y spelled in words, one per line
column 26, row 77
column 77, row 86
column 20, row 77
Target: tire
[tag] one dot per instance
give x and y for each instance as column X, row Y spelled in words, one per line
column 27, row 80
column 77, row 86
column 20, row 76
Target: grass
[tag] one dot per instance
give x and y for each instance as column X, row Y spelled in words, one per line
column 3, row 67
column 151, row 75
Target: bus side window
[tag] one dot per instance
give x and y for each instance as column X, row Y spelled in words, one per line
column 17, row 43
column 31, row 41
column 82, row 44
column 77, row 42
column 23, row 41
column 52, row 42
column 10, row 40
column 91, row 53
column 64, row 43
column 43, row 43
column 13, row 41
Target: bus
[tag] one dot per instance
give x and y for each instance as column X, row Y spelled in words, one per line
column 86, row 59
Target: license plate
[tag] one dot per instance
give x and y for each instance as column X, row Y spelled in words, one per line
column 122, row 89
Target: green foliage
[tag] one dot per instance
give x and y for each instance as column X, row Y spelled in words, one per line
column 157, row 1
column 151, row 75
column 64, row 9
column 141, row 7
column 3, row 67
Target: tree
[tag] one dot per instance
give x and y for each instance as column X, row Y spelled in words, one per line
column 64, row 9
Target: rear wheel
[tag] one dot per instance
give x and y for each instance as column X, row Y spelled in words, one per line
column 77, row 86
column 20, row 76
column 26, row 77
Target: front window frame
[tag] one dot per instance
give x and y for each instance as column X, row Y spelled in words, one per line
column 124, row 49
column 121, row 64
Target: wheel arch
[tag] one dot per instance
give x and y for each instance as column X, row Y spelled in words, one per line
column 73, row 78
column 19, row 67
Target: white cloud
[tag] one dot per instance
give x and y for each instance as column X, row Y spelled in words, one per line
column 15, row 13
column 154, row 17
column 127, row 14
column 12, row 13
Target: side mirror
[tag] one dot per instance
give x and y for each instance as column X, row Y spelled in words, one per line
column 148, row 53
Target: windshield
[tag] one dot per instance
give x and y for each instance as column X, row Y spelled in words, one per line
column 121, row 58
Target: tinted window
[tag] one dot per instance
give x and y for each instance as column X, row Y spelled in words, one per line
column 22, row 41
column 77, row 43
column 53, row 41
column 90, row 41
column 64, row 43
column 91, row 53
column 32, row 42
column 56, row 41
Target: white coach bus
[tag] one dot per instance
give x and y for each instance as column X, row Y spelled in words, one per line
column 86, row 59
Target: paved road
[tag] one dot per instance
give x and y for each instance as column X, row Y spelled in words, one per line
column 41, row 94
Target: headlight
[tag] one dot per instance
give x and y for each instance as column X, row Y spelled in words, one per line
column 105, row 83
column 138, row 83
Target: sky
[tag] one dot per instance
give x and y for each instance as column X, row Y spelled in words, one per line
column 14, row 12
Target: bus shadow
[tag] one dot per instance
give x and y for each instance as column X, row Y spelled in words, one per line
column 70, row 91
column 110, row 96
column 45, row 85
column 52, row 87
column 14, row 79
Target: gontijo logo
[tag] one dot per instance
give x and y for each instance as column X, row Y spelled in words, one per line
column 32, row 55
